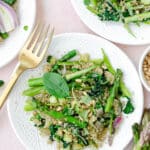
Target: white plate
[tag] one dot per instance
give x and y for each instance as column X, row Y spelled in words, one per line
column 9, row 49
column 111, row 30
column 85, row 43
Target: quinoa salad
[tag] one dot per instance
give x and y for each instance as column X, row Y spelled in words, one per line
column 77, row 101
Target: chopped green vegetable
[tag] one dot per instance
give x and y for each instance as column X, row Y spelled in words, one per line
column 26, row 28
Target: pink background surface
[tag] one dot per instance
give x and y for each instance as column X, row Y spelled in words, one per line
column 61, row 14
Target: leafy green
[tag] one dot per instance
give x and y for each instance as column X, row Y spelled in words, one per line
column 55, row 85
column 53, row 129
column 80, row 138
column 129, row 108
column 100, row 83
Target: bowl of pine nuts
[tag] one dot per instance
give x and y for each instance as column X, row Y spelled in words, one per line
column 144, row 69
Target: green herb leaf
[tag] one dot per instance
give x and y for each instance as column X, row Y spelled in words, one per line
column 53, row 129
column 129, row 107
column 56, row 85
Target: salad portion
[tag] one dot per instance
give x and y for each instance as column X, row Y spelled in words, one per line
column 77, row 101
column 8, row 18
column 126, row 11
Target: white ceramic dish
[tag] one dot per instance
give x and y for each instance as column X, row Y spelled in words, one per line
column 141, row 69
column 85, row 43
column 111, row 30
column 10, row 47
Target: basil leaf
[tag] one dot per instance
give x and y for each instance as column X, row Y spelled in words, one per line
column 129, row 108
column 56, row 85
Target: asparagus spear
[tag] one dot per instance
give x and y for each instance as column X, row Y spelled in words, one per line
column 66, row 57
column 33, row 91
column 137, row 18
column 34, row 82
column 36, row 105
column 79, row 73
column 114, row 91
column 123, row 88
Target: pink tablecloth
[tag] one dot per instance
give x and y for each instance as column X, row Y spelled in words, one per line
column 61, row 14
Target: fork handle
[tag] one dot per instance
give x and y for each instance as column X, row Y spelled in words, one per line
column 19, row 69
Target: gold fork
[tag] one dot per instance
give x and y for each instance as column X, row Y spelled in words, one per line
column 31, row 55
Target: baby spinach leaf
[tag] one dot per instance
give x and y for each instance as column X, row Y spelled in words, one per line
column 129, row 108
column 56, row 85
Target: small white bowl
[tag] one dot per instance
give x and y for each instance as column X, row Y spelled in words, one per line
column 142, row 77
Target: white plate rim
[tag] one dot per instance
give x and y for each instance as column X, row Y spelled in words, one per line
column 82, row 18
column 31, row 27
column 80, row 34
